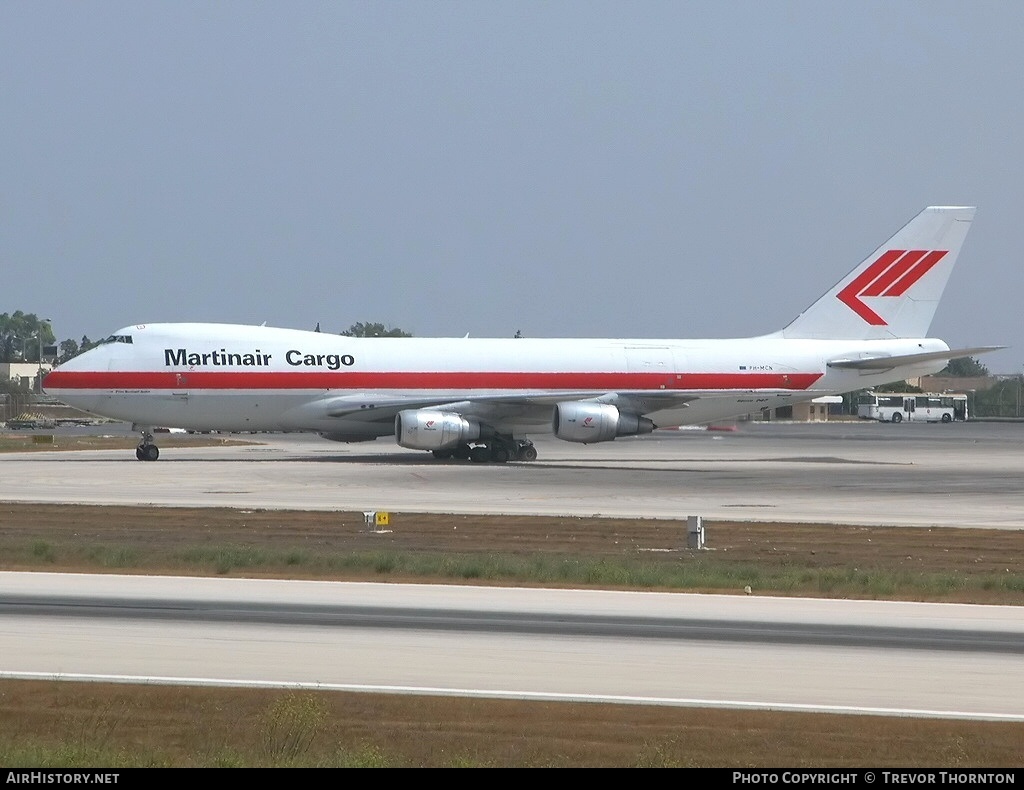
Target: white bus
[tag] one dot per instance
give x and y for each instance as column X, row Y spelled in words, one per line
column 912, row 407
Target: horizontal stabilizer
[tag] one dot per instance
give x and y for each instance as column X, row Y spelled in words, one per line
column 885, row 363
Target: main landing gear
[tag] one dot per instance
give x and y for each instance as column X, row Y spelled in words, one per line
column 147, row 449
column 495, row 451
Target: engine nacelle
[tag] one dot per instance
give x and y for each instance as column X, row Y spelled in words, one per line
column 595, row 422
column 426, row 429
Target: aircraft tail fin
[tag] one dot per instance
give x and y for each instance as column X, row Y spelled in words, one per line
column 895, row 291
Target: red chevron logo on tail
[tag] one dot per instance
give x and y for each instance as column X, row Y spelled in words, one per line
column 892, row 274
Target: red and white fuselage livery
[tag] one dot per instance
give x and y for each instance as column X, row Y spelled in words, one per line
column 479, row 398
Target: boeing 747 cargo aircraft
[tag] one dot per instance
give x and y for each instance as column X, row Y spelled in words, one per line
column 479, row 399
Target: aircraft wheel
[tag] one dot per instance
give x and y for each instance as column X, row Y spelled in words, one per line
column 139, row 453
column 528, row 453
column 462, row 452
column 147, row 452
column 897, row 417
column 479, row 455
column 500, row 455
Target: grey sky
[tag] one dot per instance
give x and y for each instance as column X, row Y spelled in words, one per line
column 643, row 169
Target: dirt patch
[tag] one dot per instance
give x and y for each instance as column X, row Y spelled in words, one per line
column 36, row 442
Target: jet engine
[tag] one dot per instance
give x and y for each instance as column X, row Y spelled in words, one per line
column 426, row 429
column 595, row 422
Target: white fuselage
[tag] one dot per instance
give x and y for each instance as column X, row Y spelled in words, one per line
column 243, row 378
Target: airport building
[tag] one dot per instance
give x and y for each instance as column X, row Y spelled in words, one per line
column 817, row 410
column 24, row 375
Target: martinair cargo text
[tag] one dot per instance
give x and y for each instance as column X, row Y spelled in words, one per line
column 481, row 398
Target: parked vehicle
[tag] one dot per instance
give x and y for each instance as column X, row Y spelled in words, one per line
column 912, row 407
column 19, row 425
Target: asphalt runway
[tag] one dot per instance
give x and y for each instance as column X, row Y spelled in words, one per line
column 957, row 475
column 668, row 649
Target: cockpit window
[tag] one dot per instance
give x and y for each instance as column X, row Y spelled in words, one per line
column 116, row 339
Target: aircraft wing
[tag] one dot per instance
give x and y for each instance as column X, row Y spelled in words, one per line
column 889, row 362
column 498, row 407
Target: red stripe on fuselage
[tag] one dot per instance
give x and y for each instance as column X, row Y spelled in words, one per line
column 355, row 380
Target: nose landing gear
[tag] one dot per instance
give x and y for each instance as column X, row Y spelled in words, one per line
column 147, row 449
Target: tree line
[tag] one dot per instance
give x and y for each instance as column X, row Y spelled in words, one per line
column 24, row 337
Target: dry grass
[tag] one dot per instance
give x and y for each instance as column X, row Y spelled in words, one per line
column 185, row 727
column 941, row 564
